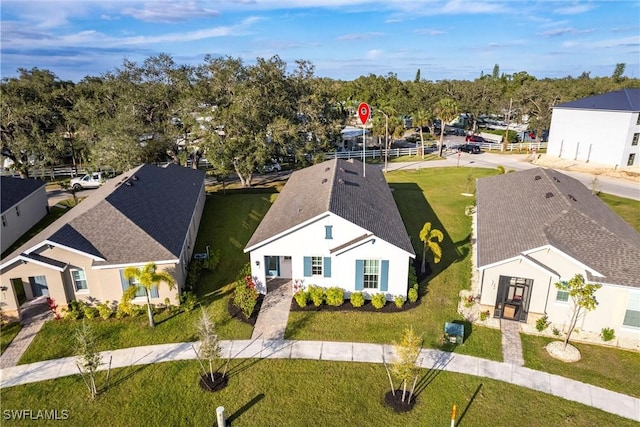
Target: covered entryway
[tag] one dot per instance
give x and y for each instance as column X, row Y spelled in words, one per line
column 512, row 301
column 278, row 266
column 39, row 286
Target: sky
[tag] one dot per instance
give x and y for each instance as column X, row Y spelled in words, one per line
column 343, row 39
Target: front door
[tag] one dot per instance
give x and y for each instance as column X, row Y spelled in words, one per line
column 512, row 301
column 18, row 288
column 273, row 265
column 39, row 286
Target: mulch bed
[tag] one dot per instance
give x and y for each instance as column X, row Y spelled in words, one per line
column 389, row 307
column 219, row 381
column 396, row 403
column 236, row 313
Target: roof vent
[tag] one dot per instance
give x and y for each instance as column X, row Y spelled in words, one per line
column 341, row 181
column 556, row 179
column 129, row 184
column 548, row 195
column 572, row 198
column 324, row 180
column 537, row 178
column 134, row 177
column 342, row 169
column 327, row 169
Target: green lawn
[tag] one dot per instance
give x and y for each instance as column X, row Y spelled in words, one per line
column 296, row 393
column 628, row 209
column 7, row 333
column 421, row 195
column 611, row 368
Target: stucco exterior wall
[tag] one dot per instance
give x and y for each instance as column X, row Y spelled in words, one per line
column 310, row 241
column 593, row 135
column 32, row 209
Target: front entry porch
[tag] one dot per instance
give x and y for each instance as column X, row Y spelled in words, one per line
column 512, row 300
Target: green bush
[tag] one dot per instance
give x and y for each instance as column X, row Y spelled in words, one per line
column 90, row 312
column 188, row 301
column 245, row 297
column 316, row 293
column 399, row 300
column 378, row 300
column 302, row 298
column 484, row 315
column 104, row 310
column 556, row 331
column 357, row 299
column 193, row 274
column 413, row 293
column 607, row 334
column 335, row 296
column 412, row 277
column 75, row 310
column 542, row 323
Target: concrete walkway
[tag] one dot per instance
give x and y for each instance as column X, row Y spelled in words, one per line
column 511, row 343
column 34, row 314
column 274, row 313
column 609, row 401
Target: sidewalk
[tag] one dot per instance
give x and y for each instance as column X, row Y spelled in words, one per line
column 608, row 401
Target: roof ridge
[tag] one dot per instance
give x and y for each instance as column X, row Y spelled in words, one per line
column 331, row 181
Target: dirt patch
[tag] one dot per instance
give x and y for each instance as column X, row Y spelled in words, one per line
column 218, row 382
column 394, row 401
column 557, row 350
column 631, row 174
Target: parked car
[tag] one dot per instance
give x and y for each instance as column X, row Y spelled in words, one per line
column 454, row 131
column 90, row 180
column 470, row 148
column 271, row 167
column 474, row 138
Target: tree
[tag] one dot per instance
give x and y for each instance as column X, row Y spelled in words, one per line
column 446, row 110
column 148, row 277
column 423, row 118
column 618, row 72
column 496, row 72
column 427, row 236
column 89, row 359
column 404, row 367
column 209, row 343
column 417, row 79
column 583, row 298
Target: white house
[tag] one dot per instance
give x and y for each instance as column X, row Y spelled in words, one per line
column 601, row 129
column 23, row 203
column 538, row 227
column 334, row 225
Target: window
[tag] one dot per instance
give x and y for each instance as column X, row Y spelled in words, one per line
column 635, row 139
column 140, row 291
column 632, row 158
column 4, row 221
column 371, row 273
column 638, row 121
column 79, row 280
column 562, row 296
column 328, row 232
column 17, row 211
column 632, row 315
column 316, row 265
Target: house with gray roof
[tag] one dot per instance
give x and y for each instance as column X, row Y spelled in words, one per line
column 23, row 203
column 334, row 224
column 599, row 129
column 148, row 214
column 539, row 227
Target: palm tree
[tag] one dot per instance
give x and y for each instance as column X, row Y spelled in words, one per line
column 147, row 277
column 422, row 118
column 446, row 110
column 427, row 235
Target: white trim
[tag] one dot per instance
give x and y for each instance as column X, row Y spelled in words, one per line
column 40, row 263
column 288, row 231
column 520, row 257
column 135, row 264
column 569, row 257
column 67, row 248
column 86, row 282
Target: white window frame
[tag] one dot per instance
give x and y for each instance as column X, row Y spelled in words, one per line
column 632, row 305
column 560, row 301
column 367, row 270
column 75, row 282
column 317, row 269
column 135, row 282
column 634, row 141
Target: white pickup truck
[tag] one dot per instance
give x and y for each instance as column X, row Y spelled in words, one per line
column 90, row 180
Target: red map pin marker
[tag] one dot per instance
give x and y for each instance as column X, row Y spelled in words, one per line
column 364, row 112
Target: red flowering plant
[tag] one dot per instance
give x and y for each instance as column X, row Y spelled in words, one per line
column 245, row 295
column 53, row 307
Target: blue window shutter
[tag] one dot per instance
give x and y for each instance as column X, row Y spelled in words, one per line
column 124, row 281
column 384, row 275
column 326, row 268
column 154, row 292
column 307, row 266
column 359, row 275
column 328, row 232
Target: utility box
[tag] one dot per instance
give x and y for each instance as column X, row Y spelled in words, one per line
column 454, row 333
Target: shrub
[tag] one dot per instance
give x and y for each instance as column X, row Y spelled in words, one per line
column 412, row 277
column 316, row 293
column 335, row 296
column 193, row 274
column 188, row 301
column 399, row 300
column 484, row 315
column 302, row 298
column 542, row 323
column 104, row 310
column 468, row 301
column 378, row 300
column 357, row 299
column 556, row 331
column 607, row 334
column 245, row 296
column 90, row 312
column 74, row 310
column 413, row 293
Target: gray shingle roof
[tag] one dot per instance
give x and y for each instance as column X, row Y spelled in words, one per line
column 13, row 190
column 147, row 220
column 336, row 186
column 524, row 210
column 621, row 100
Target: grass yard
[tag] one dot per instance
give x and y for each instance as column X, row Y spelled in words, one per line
column 295, row 393
column 421, row 195
column 610, row 368
column 7, row 333
column 627, row 208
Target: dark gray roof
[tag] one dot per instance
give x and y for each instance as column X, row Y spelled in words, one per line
column 336, row 186
column 528, row 209
column 140, row 216
column 13, row 190
column 621, row 100
column 46, row 260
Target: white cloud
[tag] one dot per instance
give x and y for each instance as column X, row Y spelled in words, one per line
column 574, row 9
column 374, row 53
column 361, row 36
column 562, row 31
column 430, row 32
column 169, row 11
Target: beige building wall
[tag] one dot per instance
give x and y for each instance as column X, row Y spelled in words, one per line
column 17, row 222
